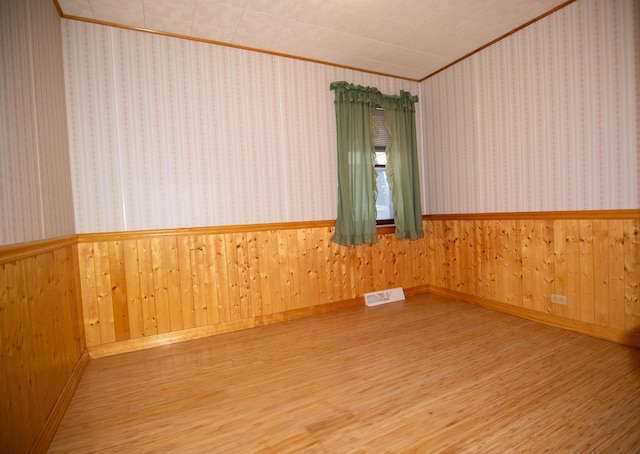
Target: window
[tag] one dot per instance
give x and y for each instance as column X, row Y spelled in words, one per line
column 384, row 202
column 360, row 174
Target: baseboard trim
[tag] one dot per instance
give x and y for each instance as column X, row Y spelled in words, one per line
column 115, row 348
column 48, row 430
column 159, row 340
column 418, row 290
column 602, row 332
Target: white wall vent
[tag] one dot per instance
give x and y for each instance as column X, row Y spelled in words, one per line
column 383, row 297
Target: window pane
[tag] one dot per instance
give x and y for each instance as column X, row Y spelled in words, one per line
column 384, row 205
column 381, row 158
column 382, row 138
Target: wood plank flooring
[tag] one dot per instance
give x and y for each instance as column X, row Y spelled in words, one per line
column 428, row 375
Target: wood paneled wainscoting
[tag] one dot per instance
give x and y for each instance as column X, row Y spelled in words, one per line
column 42, row 341
column 514, row 262
column 149, row 288
column 135, row 290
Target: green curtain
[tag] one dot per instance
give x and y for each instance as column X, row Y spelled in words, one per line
column 356, row 133
column 402, row 164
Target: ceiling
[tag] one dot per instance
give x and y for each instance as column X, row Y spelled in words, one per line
column 404, row 38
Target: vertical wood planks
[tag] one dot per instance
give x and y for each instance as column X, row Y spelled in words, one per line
column 287, row 274
column 14, row 330
column 572, row 254
column 277, row 289
column 488, row 261
column 521, row 262
column 8, row 437
column 527, row 249
column 134, row 300
column 138, row 287
column 263, row 252
column 512, row 263
column 632, row 274
column 475, row 253
column 290, row 258
column 160, row 285
column 42, row 335
column 430, row 245
column 186, row 281
column 299, row 267
column 211, row 279
column 253, row 270
column 147, row 295
column 198, row 280
column 401, row 275
column 130, row 287
column 222, row 289
column 454, row 254
column 499, row 259
column 89, row 294
column 587, row 300
column 244, row 281
column 440, row 263
column 418, row 260
column 318, row 252
column 601, row 271
column 104, row 301
column 560, row 284
column 548, row 266
column 482, row 269
column 466, row 259
column 174, row 291
column 234, row 302
column 118, row 290
column 375, row 258
column 335, row 267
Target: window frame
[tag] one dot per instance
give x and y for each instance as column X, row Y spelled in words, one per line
column 381, row 147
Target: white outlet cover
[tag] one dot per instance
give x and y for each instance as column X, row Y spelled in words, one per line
column 558, row 299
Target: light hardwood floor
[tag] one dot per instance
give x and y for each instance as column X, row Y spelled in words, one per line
column 426, row 375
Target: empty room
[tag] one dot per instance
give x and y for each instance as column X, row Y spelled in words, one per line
column 320, row 226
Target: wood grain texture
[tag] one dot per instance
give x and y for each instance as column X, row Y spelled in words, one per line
column 142, row 343
column 153, row 288
column 13, row 252
column 518, row 263
column 201, row 279
column 43, row 440
column 427, row 375
column 41, row 340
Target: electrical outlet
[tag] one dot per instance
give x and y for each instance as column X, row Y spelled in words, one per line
column 558, row 299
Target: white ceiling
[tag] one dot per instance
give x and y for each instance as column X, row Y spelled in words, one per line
column 404, row 38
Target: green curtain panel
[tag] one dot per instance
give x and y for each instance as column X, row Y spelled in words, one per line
column 356, row 133
column 402, row 164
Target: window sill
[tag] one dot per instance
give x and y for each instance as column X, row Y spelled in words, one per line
column 385, row 229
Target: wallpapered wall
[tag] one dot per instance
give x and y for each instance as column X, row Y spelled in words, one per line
column 36, row 199
column 173, row 133
column 544, row 120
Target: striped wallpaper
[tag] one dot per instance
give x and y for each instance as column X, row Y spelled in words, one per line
column 169, row 133
column 36, row 199
column 544, row 120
